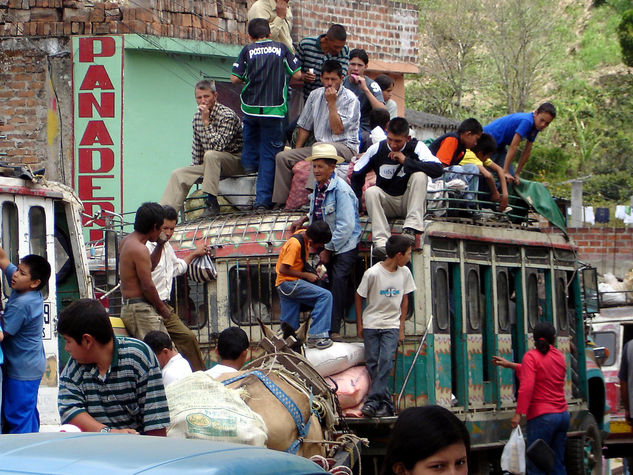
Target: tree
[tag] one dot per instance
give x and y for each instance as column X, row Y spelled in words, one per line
column 625, row 34
column 447, row 50
column 519, row 37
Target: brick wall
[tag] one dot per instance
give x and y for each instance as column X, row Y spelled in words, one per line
column 23, row 107
column 608, row 249
column 222, row 20
column 387, row 30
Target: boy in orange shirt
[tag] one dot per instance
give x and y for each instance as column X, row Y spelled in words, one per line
column 296, row 284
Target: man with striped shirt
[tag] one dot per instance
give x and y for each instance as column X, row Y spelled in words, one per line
column 332, row 113
column 111, row 384
column 314, row 52
column 264, row 66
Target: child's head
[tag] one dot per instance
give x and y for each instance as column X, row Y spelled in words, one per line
column 486, row 146
column 232, row 342
column 319, row 233
column 469, row 132
column 544, row 115
column 82, row 322
column 444, row 440
column 258, row 29
column 32, row 274
column 397, row 133
column 398, row 247
column 386, row 84
column 378, row 118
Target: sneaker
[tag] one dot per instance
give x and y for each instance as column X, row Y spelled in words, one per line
column 379, row 253
column 384, row 411
column 319, row 343
column 368, row 410
column 336, row 337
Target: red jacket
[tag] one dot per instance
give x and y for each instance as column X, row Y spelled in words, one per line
column 542, row 383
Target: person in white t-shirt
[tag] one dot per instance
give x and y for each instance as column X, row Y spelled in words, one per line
column 233, row 351
column 173, row 366
column 385, row 285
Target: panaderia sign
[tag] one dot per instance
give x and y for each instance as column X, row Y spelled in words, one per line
column 98, row 121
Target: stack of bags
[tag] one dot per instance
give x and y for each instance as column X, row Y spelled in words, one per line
column 342, row 366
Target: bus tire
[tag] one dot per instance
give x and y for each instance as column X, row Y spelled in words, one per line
column 583, row 454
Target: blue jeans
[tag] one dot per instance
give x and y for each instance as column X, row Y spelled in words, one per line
column 263, row 139
column 339, row 269
column 380, row 349
column 296, row 292
column 467, row 173
column 552, row 428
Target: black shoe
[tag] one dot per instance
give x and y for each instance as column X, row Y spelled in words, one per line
column 409, row 233
column 384, row 410
column 368, row 410
column 211, row 211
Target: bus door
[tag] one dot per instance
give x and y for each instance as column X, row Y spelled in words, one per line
column 506, row 315
column 443, row 325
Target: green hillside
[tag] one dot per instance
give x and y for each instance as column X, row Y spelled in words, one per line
column 503, row 56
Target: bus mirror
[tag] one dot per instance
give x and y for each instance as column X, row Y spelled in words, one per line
column 590, row 289
column 601, row 353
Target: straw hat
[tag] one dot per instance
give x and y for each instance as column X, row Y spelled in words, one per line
column 325, row 151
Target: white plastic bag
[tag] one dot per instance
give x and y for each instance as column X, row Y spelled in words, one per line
column 513, row 456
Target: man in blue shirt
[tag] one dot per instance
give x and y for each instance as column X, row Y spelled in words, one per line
column 510, row 130
column 25, row 362
column 264, row 66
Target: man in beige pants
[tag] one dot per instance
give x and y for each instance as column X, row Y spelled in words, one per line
column 403, row 167
column 216, row 151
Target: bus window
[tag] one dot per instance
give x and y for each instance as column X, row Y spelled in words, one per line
column 252, row 293
column 608, row 340
column 9, row 237
column 503, row 300
column 473, row 301
column 561, row 302
column 37, row 237
column 191, row 302
column 441, row 296
column 532, row 299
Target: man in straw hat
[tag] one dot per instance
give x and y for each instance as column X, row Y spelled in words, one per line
column 332, row 113
column 334, row 202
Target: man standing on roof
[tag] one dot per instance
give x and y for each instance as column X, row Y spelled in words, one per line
column 314, row 52
column 278, row 14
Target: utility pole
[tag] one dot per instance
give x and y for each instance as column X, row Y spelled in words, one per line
column 576, row 204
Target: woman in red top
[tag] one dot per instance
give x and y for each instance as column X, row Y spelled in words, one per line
column 542, row 394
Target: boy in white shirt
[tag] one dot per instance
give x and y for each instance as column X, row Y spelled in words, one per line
column 173, row 366
column 385, row 286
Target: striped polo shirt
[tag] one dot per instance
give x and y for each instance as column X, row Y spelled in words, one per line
column 265, row 66
column 130, row 396
column 311, row 55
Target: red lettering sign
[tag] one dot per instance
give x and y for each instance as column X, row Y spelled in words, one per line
column 87, row 160
column 87, row 187
column 96, row 133
column 96, row 78
column 88, row 47
column 87, row 100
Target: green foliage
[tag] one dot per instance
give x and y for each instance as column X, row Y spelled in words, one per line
column 625, row 33
column 616, row 187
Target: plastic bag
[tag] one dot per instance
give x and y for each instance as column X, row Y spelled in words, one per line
column 513, row 456
column 202, row 269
